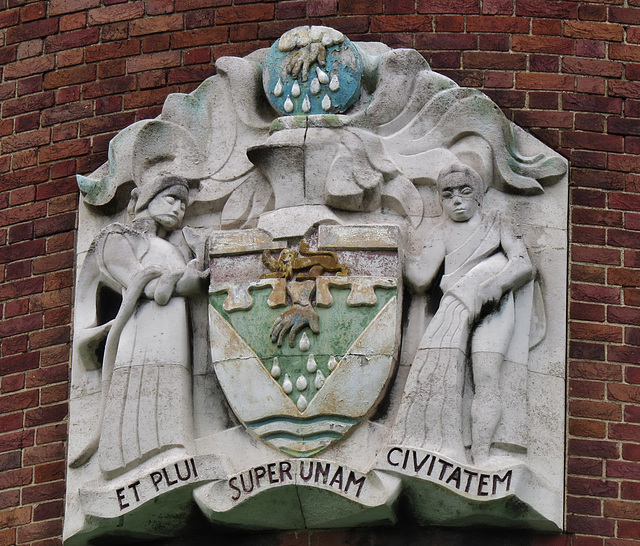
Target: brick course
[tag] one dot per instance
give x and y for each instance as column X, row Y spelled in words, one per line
column 74, row 72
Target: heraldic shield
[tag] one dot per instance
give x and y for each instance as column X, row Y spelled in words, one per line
column 304, row 334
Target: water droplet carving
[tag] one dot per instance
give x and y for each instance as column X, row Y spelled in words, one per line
column 304, row 342
column 334, row 85
column 312, row 365
column 301, row 383
column 277, row 90
column 288, row 104
column 332, row 363
column 322, row 76
column 315, row 86
column 287, row 385
column 306, row 104
column 275, row 369
column 326, row 103
column 302, row 403
column 319, row 380
column 295, row 89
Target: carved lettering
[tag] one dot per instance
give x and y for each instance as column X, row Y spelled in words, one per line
column 169, row 481
column 263, row 476
column 406, row 460
column 450, row 474
column 351, row 480
column 232, row 485
column 482, row 483
column 497, row 479
column 302, row 475
column 180, row 477
column 134, row 486
column 193, row 467
column 272, row 473
column 261, row 472
column 389, row 456
column 324, row 472
column 309, row 472
column 471, row 476
column 337, row 478
column 164, row 477
column 445, row 465
column 247, row 488
column 285, row 470
column 418, row 465
column 156, row 478
column 455, row 477
column 120, row 493
column 433, row 462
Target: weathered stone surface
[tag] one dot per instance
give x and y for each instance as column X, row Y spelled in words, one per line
column 298, row 390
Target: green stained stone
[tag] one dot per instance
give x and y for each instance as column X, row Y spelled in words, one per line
column 340, row 325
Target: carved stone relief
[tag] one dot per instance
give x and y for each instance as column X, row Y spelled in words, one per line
column 327, row 282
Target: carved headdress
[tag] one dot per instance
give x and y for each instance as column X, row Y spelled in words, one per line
column 147, row 190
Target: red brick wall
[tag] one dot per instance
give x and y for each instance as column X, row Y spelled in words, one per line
column 74, row 72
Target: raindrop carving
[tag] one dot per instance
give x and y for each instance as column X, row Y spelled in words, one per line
column 301, row 383
column 304, row 342
column 322, row 76
column 306, row 104
column 287, row 385
column 312, row 365
column 275, row 369
column 288, row 105
column 334, row 85
column 277, row 90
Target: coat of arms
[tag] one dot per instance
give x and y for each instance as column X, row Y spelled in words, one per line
column 310, row 336
column 338, row 282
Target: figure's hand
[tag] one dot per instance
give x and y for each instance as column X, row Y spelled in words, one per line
column 192, row 279
column 303, row 58
column 165, row 285
column 489, row 293
column 293, row 321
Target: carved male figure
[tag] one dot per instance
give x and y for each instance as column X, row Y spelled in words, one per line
column 146, row 372
column 485, row 261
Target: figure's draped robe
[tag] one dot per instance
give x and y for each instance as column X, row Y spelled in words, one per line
column 431, row 413
column 148, row 396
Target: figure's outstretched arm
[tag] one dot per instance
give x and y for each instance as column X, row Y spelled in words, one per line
column 419, row 272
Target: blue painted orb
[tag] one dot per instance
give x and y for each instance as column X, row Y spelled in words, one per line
column 312, row 70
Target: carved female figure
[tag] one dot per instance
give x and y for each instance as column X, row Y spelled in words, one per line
column 146, row 371
column 485, row 262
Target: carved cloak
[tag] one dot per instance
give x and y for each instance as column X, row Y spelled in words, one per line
column 147, row 388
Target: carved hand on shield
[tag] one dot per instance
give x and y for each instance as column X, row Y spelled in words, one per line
column 292, row 322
